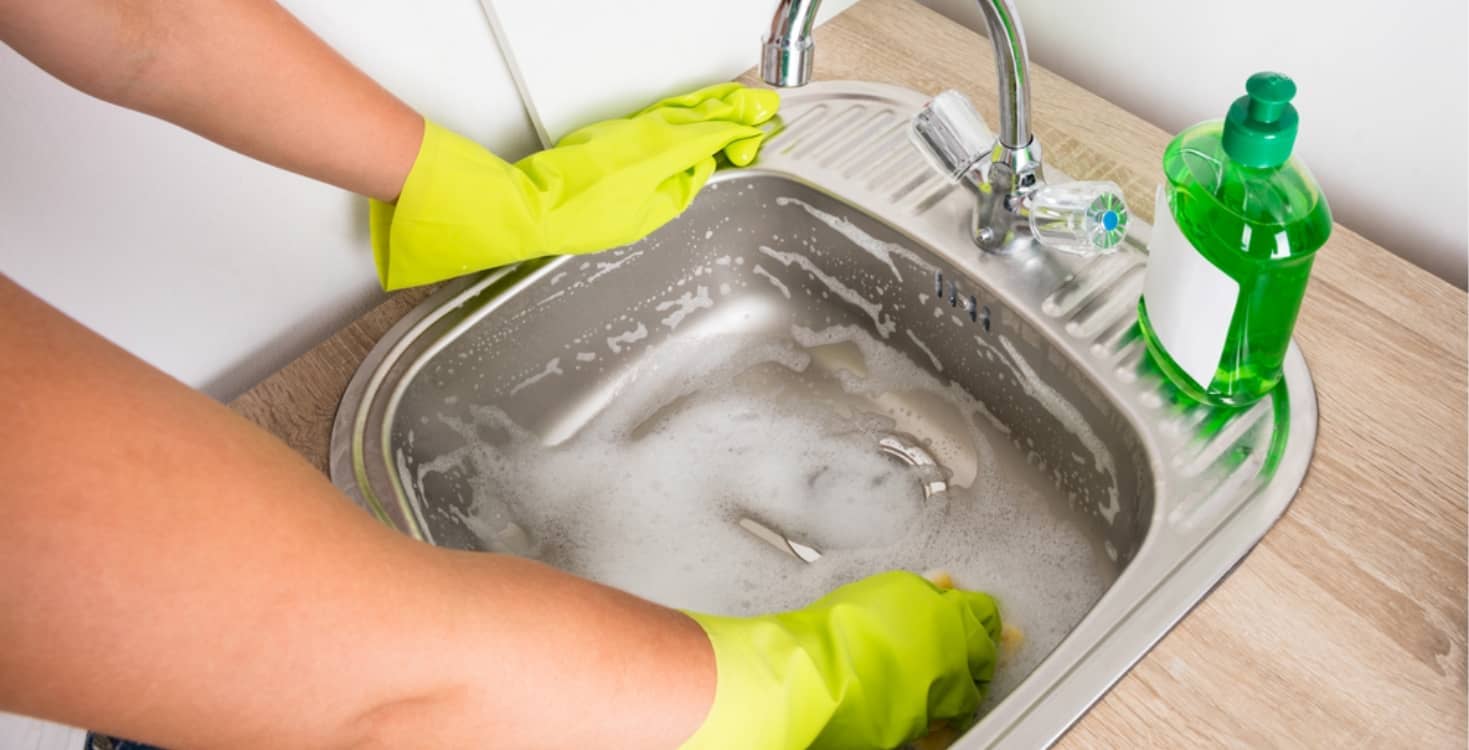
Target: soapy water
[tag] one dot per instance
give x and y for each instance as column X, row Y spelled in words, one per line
column 879, row 249
column 648, row 496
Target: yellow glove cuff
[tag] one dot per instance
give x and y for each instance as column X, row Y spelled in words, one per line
column 458, row 206
column 763, row 675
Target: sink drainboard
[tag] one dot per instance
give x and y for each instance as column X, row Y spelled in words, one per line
column 822, row 321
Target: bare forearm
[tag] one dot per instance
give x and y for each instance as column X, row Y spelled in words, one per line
column 243, row 73
column 190, row 581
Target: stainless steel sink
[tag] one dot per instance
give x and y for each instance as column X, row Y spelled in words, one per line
column 1007, row 415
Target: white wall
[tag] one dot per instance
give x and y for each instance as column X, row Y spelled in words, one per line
column 211, row 266
column 220, row 270
column 673, row 46
column 1382, row 92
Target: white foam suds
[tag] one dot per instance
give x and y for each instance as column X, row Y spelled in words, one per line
column 685, row 305
column 586, row 356
column 552, row 368
column 880, row 249
column 1069, row 417
column 777, row 283
column 606, row 267
column 994, row 421
column 782, row 429
column 615, row 343
column 894, row 385
column 937, row 365
column 884, row 325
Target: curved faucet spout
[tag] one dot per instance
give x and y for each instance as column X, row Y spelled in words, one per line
column 1012, row 64
column 788, row 52
column 786, row 58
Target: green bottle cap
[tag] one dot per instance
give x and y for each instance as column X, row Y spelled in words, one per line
column 1260, row 128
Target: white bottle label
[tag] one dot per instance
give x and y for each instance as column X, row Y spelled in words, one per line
column 1190, row 301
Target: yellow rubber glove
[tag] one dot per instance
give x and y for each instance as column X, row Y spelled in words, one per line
column 869, row 665
column 464, row 209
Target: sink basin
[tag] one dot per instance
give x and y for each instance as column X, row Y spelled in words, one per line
column 816, row 350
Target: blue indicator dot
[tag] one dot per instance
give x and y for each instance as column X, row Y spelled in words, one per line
column 1109, row 220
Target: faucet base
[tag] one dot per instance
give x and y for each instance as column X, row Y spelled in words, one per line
column 786, row 63
column 1005, row 182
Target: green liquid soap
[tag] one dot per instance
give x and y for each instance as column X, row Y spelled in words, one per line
column 1256, row 218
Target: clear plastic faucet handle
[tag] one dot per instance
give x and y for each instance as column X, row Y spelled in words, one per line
column 949, row 132
column 1085, row 218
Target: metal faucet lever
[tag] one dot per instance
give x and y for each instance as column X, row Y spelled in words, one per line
column 1009, row 176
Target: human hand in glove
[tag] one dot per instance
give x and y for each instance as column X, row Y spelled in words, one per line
column 869, row 665
column 463, row 209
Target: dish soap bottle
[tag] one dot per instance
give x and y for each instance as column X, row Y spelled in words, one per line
column 1235, row 232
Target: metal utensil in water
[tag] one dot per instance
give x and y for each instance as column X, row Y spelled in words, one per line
column 802, row 552
column 904, row 448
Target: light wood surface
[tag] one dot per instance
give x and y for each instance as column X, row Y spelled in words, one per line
column 1346, row 626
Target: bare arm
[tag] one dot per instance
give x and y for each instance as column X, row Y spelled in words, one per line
column 242, row 73
column 176, row 575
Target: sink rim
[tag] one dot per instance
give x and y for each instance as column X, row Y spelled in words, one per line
column 1122, row 625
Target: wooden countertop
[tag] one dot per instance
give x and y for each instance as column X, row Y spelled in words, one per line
column 1346, row 626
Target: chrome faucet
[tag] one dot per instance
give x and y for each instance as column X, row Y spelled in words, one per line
column 1006, row 174
column 786, row 61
